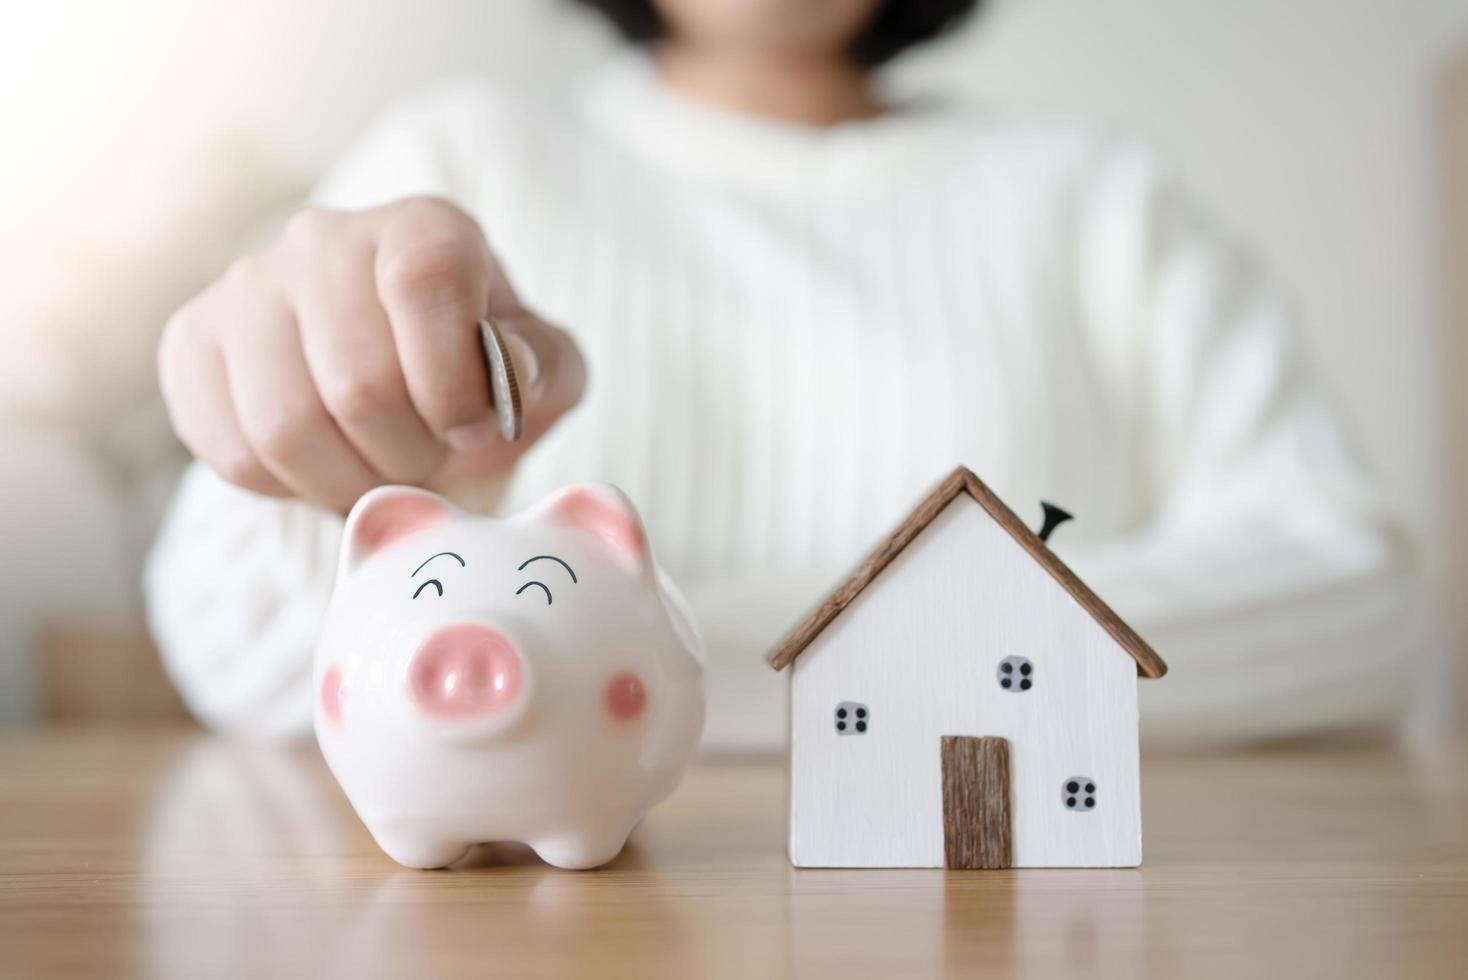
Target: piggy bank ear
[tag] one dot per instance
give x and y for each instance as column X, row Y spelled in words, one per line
column 603, row 512
column 384, row 516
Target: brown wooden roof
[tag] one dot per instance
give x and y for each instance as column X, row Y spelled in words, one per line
column 959, row 481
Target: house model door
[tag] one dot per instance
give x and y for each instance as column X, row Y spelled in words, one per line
column 976, row 822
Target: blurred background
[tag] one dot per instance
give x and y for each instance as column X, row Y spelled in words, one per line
column 147, row 143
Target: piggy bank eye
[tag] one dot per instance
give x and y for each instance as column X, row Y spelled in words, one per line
column 539, row 585
column 433, row 581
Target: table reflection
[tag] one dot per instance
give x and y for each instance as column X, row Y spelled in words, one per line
column 251, row 855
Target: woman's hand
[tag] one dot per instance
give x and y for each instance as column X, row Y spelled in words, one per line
column 346, row 355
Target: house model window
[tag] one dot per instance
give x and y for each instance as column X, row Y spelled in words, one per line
column 1016, row 674
column 852, row 718
column 1079, row 794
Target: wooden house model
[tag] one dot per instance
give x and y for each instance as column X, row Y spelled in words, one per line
column 963, row 700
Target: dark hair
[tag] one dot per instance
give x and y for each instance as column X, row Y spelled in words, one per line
column 896, row 26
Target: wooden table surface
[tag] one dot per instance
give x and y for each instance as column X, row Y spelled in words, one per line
column 170, row 853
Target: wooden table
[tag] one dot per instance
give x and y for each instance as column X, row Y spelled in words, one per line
column 170, row 853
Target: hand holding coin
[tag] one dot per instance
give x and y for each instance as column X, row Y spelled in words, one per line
column 349, row 353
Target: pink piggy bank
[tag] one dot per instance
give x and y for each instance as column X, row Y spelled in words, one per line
column 533, row 679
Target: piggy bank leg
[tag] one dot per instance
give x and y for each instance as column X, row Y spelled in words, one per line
column 578, row 850
column 418, row 850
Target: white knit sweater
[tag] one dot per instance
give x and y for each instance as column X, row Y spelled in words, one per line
column 793, row 332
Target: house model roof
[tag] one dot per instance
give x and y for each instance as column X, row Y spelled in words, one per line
column 960, row 481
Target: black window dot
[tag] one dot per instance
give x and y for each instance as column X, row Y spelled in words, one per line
column 1011, row 670
column 844, row 720
column 1078, row 793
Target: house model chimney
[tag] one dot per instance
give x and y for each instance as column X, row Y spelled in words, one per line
column 1054, row 517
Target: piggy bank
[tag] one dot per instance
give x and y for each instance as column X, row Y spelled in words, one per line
column 533, row 679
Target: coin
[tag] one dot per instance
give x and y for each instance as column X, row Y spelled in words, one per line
column 503, row 384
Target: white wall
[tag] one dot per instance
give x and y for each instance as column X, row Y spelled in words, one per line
column 1304, row 124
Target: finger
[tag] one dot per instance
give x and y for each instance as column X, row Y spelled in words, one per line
column 282, row 415
column 353, row 361
column 554, row 372
column 195, row 389
column 436, row 280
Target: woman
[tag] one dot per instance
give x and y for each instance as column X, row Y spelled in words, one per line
column 800, row 306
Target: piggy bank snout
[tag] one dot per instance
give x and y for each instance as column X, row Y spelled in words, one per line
column 466, row 671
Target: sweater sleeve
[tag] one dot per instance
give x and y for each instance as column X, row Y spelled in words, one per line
column 1264, row 568
column 236, row 587
column 236, row 584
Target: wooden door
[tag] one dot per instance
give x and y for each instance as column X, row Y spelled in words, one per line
column 976, row 824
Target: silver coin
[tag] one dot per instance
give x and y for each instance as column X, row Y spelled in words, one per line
column 503, row 384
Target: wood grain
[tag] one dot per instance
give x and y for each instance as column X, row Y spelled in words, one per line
column 976, row 827
column 962, row 480
column 171, row 854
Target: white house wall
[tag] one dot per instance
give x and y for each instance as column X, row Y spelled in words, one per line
column 920, row 647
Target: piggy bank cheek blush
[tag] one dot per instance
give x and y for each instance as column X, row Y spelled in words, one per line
column 625, row 697
column 332, row 694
